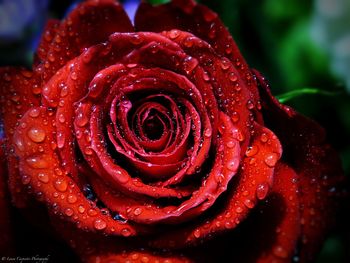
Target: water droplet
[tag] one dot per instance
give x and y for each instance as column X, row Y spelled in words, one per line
column 224, row 63
column 189, row 64
column 248, row 203
column 264, row 137
column 81, row 119
column 232, row 165
column 34, row 113
column 51, row 57
column 74, row 75
column 88, row 151
column 240, row 136
column 235, row 116
column 72, row 198
column 212, row 31
column 250, row 105
column 43, row 177
column 68, row 212
column 122, row 177
column 61, row 185
column 19, row 142
column 271, row 159
column 81, row 209
column 174, row 33
column 262, row 190
column 232, row 77
column 60, row 140
column 126, row 232
column 228, row 225
column 37, row 162
column 92, row 212
column 230, row 144
column 100, row 224
column 252, row 150
column 206, row 76
column 145, row 259
column 197, row 233
column 25, row 179
column 131, row 65
column 61, row 118
column 188, row 42
column 239, row 209
column 280, row 252
column 137, row 211
column 64, row 91
column 136, row 39
column 207, row 132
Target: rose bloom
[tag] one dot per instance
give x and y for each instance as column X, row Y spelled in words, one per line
column 156, row 142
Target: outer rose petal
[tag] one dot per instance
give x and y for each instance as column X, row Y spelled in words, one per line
column 19, row 90
column 39, row 165
column 6, row 243
column 90, row 23
column 199, row 20
column 318, row 167
column 49, row 32
column 92, row 249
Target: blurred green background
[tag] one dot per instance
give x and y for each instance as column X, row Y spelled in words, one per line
column 296, row 44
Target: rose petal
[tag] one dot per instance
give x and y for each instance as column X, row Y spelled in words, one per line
column 241, row 198
column 39, row 165
column 19, row 90
column 90, row 23
column 202, row 22
column 47, row 36
column 6, row 236
column 317, row 165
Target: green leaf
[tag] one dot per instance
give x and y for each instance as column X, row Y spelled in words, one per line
column 158, row 2
column 299, row 92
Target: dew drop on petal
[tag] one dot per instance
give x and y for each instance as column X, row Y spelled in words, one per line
column 81, row 209
column 235, row 117
column 37, row 162
column 60, row 140
column 262, row 190
column 264, row 137
column 137, row 211
column 174, row 33
column 74, row 76
column 43, row 177
column 232, row 77
column 248, row 203
column 280, row 252
column 271, row 159
column 197, row 233
column 100, row 224
column 34, row 113
column 81, row 120
column 36, row 134
column 232, row 165
column 207, row 132
column 61, row 185
column 68, row 212
column 189, row 64
column 25, row 179
column 239, row 209
column 126, row 232
column 252, row 150
column 250, row 105
column 61, row 118
column 72, row 198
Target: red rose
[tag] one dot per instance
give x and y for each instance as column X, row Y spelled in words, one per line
column 158, row 142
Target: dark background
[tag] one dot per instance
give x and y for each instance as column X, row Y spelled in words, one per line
column 296, row 44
